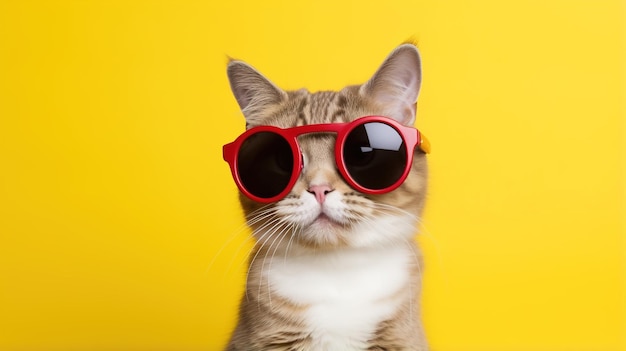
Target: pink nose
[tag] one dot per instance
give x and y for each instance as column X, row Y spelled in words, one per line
column 320, row 192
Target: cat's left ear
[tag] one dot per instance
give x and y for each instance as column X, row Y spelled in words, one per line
column 396, row 84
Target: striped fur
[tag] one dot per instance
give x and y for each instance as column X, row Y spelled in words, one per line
column 344, row 275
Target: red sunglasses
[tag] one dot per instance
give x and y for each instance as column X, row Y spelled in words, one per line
column 373, row 155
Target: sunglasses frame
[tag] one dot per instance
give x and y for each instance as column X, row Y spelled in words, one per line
column 411, row 136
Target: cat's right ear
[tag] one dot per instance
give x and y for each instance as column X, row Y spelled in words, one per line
column 253, row 91
column 396, row 84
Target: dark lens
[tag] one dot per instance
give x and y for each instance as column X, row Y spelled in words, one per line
column 375, row 155
column 265, row 164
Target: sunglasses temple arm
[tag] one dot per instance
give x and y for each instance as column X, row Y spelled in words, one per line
column 227, row 152
column 423, row 142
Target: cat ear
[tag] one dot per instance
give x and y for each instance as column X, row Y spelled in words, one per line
column 396, row 84
column 252, row 90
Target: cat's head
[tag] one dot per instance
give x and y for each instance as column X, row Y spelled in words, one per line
column 322, row 210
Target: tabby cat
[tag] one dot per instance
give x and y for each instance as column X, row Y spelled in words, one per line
column 332, row 185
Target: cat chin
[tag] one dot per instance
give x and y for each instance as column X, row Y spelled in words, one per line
column 324, row 232
column 323, row 221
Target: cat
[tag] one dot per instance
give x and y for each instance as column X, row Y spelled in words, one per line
column 333, row 268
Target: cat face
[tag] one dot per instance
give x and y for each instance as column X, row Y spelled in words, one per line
column 322, row 210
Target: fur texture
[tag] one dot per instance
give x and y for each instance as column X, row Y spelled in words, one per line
column 342, row 274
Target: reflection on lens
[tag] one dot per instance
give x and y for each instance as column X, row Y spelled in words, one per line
column 265, row 164
column 375, row 155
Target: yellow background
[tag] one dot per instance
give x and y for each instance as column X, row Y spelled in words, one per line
column 119, row 223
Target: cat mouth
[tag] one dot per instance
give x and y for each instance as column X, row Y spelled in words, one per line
column 325, row 220
column 323, row 217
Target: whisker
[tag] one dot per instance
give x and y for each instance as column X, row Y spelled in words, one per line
column 284, row 232
column 239, row 230
column 276, row 223
column 255, row 219
column 259, row 240
column 259, row 210
column 393, row 210
column 296, row 229
column 259, row 216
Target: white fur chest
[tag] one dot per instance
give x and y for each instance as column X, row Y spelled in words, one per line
column 348, row 292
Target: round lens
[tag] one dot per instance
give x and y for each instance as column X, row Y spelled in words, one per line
column 265, row 164
column 375, row 155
